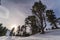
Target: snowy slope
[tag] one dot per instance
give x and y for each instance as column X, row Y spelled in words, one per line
column 50, row 35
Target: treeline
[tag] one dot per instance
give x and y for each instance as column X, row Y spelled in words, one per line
column 21, row 31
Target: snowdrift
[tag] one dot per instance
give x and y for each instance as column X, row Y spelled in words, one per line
column 50, row 35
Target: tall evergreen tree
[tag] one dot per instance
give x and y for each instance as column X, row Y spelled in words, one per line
column 38, row 10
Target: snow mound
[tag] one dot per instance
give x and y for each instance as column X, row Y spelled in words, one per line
column 49, row 35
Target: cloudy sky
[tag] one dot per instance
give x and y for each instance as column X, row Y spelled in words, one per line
column 13, row 12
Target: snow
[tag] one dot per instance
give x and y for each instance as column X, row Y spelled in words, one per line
column 49, row 35
column 28, row 30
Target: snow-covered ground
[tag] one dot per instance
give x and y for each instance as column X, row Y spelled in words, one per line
column 49, row 35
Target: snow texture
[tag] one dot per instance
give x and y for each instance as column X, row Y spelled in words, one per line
column 49, row 35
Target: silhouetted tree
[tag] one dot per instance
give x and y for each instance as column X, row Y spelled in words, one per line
column 23, row 28
column 3, row 30
column 38, row 10
column 12, row 32
column 51, row 18
column 18, row 31
column 31, row 20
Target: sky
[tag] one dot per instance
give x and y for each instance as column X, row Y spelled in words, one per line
column 14, row 12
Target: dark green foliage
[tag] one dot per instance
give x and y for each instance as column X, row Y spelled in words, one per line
column 38, row 6
column 3, row 30
column 51, row 18
column 12, row 32
column 38, row 10
column 32, row 21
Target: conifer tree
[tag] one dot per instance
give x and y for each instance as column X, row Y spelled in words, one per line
column 12, row 32
column 38, row 9
column 18, row 31
column 52, row 18
column 3, row 30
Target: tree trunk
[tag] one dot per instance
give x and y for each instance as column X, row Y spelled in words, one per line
column 42, row 28
column 42, row 31
column 55, row 25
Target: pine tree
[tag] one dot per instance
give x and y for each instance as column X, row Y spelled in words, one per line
column 38, row 10
column 3, row 30
column 18, row 31
column 12, row 32
column 51, row 18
